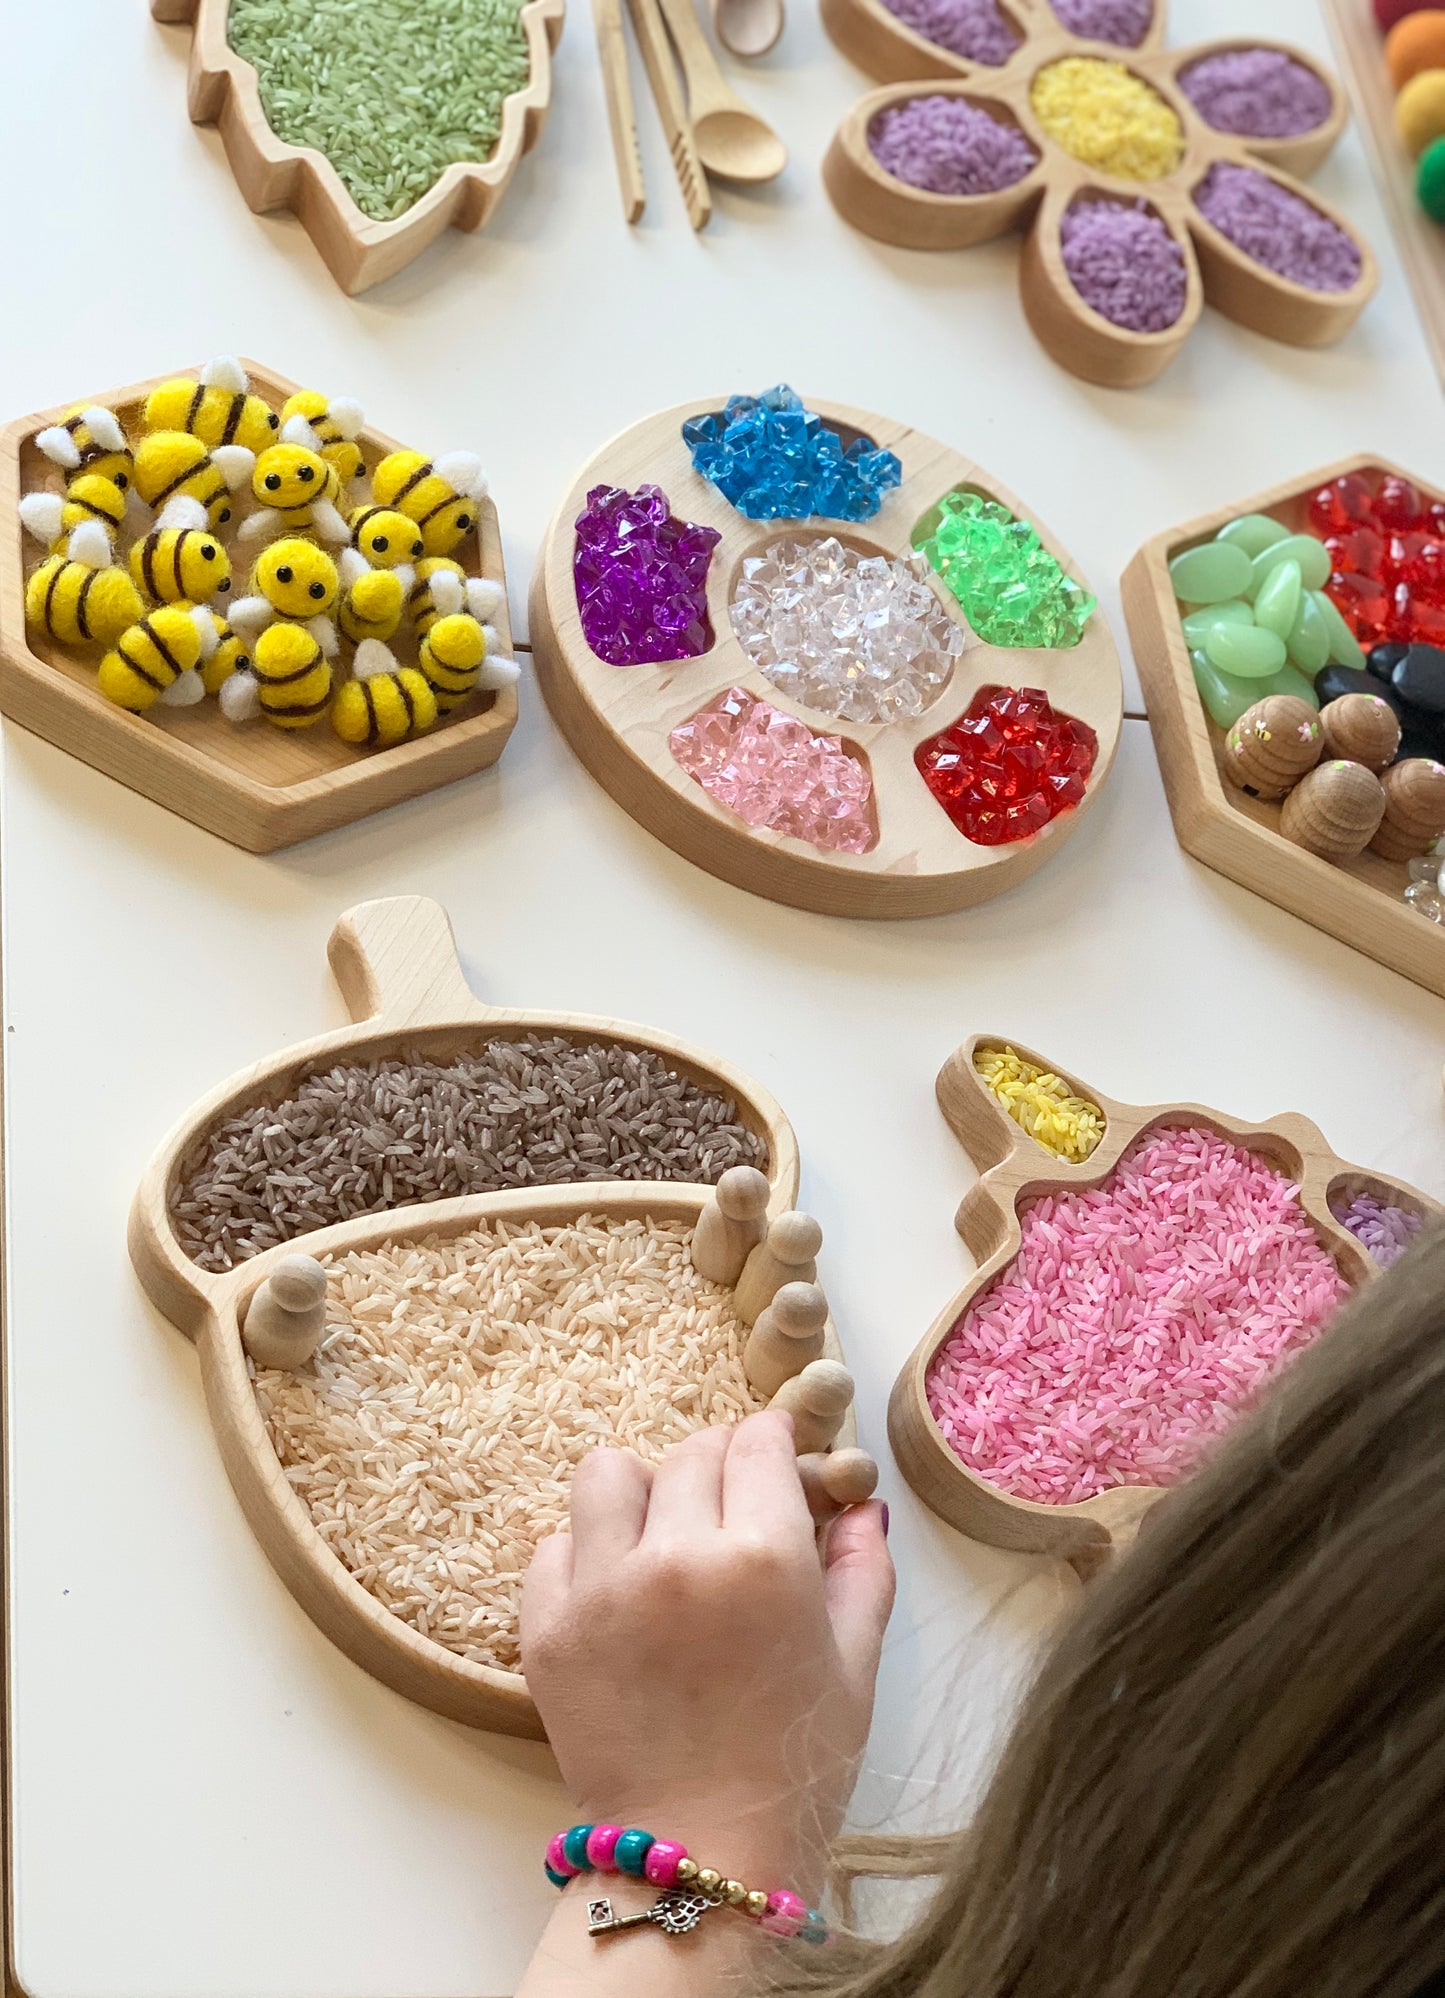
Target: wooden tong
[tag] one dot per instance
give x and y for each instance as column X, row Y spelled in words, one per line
column 621, row 118
column 667, row 94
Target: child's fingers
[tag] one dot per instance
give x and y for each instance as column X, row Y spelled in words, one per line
column 858, row 1585
column 687, row 1488
column 762, row 1492
column 610, row 1495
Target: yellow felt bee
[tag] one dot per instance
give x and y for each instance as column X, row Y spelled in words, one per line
column 232, row 655
column 372, row 600
column 90, row 448
column 157, row 658
column 88, row 439
column 295, row 581
column 384, row 703
column 172, row 464
column 337, row 421
column 386, row 538
column 219, row 408
column 82, row 597
column 441, row 497
column 294, row 488
column 455, row 657
column 50, row 517
column 443, row 587
column 180, row 559
column 289, row 681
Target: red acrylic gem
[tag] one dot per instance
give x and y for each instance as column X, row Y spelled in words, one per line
column 1008, row 765
column 1344, row 502
column 1427, row 622
column 1364, row 603
column 1401, row 626
column 1361, row 549
column 1398, row 504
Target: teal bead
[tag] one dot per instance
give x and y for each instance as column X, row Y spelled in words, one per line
column 1245, row 650
column 1253, row 532
column 575, row 1847
column 814, row 1929
column 1210, row 574
column 632, row 1850
column 1309, row 637
column 1277, row 605
column 1288, row 680
column 559, row 1879
column 1225, row 699
column 1198, row 624
column 1313, row 558
column 1345, row 648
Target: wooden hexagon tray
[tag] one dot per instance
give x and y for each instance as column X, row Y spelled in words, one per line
column 396, row 964
column 1016, row 1170
column 1359, row 901
column 618, row 718
column 1070, row 330
column 358, row 250
column 258, row 787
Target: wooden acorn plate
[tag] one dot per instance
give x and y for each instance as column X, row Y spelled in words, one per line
column 1070, row 330
column 258, row 787
column 618, row 718
column 358, row 250
column 1358, row 901
column 1015, row 1170
column 396, row 964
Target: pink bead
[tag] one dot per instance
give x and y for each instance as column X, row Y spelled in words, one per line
column 602, row 1845
column 664, row 1856
column 785, row 1914
column 557, row 1856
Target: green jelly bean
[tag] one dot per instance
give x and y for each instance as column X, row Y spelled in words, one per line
column 1210, row 574
column 1288, row 680
column 1309, row 636
column 1277, row 605
column 1313, row 558
column 1345, row 648
column 1200, row 623
column 1253, row 532
column 1225, row 699
column 1246, row 650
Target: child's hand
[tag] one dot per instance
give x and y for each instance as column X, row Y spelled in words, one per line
column 700, row 1672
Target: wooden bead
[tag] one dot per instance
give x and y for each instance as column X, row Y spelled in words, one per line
column 1414, row 808
column 1362, row 728
column 788, row 1255
column 732, row 1224
column 1334, row 811
column 1272, row 745
column 788, row 1334
column 286, row 1319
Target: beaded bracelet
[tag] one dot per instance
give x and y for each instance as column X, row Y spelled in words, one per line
column 689, row 1891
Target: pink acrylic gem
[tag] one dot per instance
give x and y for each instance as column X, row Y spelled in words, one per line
column 771, row 770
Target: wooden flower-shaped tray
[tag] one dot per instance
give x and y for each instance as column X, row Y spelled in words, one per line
column 257, row 786
column 396, row 964
column 358, row 250
column 619, row 718
column 1359, row 901
column 1016, row 1170
column 1070, row 330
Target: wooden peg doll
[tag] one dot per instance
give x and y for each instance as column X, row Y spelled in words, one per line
column 788, row 1255
column 837, row 1480
column 817, row 1399
column 732, row 1224
column 286, row 1319
column 787, row 1335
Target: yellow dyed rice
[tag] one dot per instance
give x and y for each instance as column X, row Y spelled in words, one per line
column 1107, row 117
column 1042, row 1104
column 433, row 1437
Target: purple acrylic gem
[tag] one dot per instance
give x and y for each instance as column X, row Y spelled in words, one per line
column 641, row 577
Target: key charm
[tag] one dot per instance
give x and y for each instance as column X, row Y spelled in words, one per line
column 674, row 1912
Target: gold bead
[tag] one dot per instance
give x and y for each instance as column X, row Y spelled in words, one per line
column 734, row 1893
column 687, row 1870
column 756, row 1904
column 709, row 1880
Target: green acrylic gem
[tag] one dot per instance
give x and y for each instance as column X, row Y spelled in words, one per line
column 1011, row 589
column 1198, row 625
column 1211, row 574
column 1245, row 650
column 1313, row 558
column 1225, row 699
column 1253, row 532
column 1288, row 680
column 1277, row 605
column 1309, row 637
column 1345, row 648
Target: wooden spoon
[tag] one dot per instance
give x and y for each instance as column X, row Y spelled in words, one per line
column 747, row 28
column 732, row 141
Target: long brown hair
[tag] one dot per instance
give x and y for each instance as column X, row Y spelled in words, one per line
column 1228, row 1780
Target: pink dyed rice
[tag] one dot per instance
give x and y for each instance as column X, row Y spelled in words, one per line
column 1137, row 1320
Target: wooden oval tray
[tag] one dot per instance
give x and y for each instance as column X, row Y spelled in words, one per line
column 358, row 250
column 1071, row 331
column 258, row 787
column 396, row 964
column 1016, row 1170
column 1358, row 901
column 618, row 719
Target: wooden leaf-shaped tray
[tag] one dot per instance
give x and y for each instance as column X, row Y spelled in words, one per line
column 396, row 964
column 619, row 718
column 358, row 250
column 1016, row 1170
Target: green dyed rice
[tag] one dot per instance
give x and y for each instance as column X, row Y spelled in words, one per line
column 391, row 91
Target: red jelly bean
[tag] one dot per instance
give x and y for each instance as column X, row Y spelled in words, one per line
column 1008, row 765
column 1401, row 626
column 1344, row 502
column 1398, row 504
column 1364, row 603
column 1358, row 549
column 1424, row 569
column 1427, row 623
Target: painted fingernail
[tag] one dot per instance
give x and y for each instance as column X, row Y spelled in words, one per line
column 885, row 1519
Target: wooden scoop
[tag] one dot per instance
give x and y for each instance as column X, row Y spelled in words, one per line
column 747, row 28
column 733, row 141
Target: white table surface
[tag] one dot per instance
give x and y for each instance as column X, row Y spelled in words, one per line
column 206, row 1797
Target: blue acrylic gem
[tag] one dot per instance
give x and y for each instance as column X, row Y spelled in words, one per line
column 775, row 460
